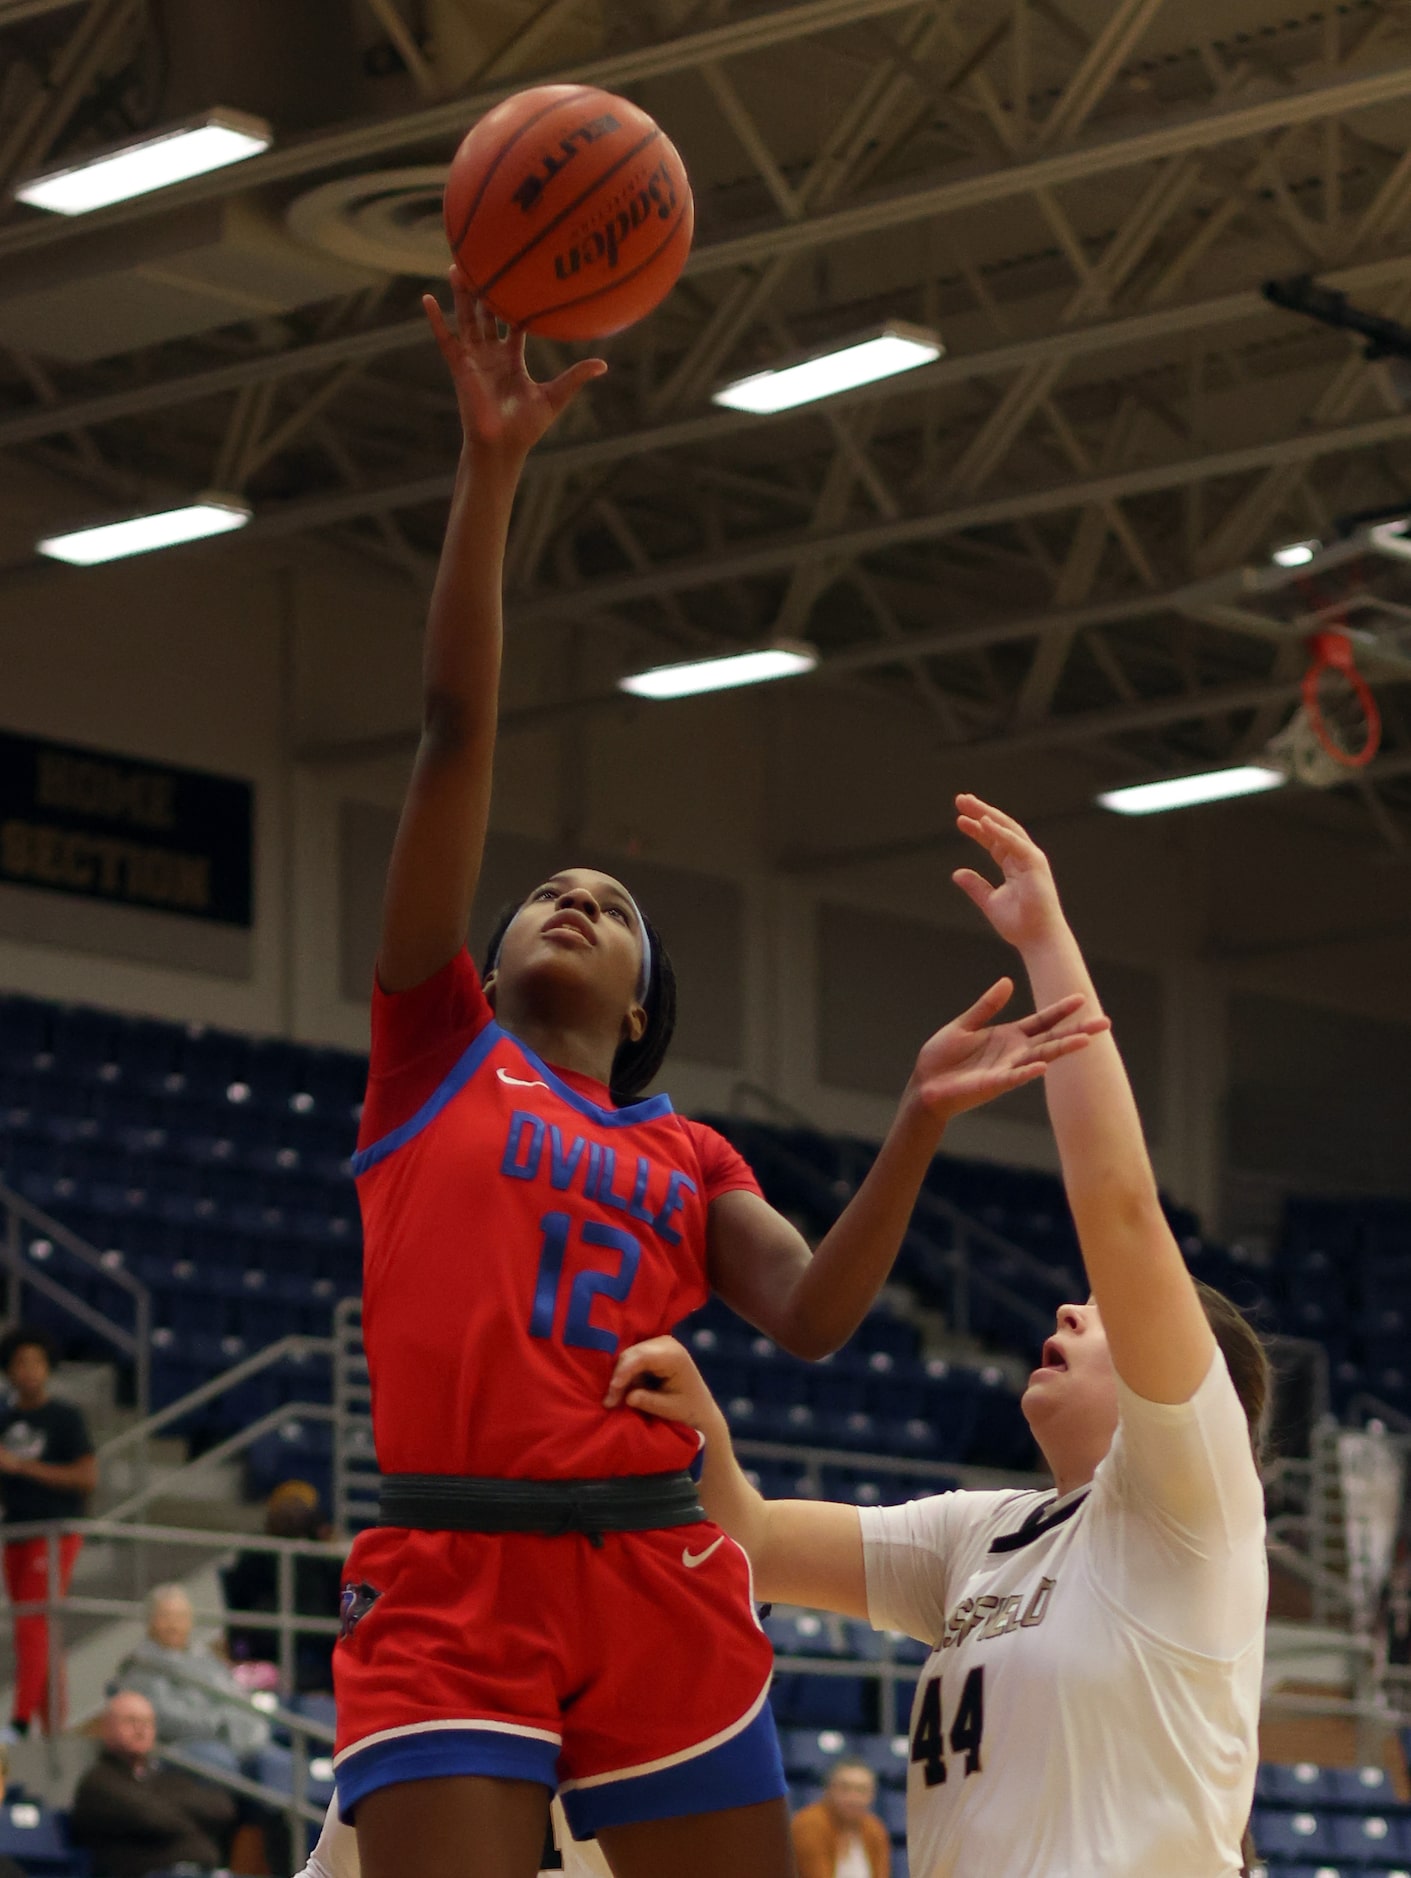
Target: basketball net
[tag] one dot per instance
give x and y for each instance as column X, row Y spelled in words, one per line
column 1337, row 728
column 1372, row 1471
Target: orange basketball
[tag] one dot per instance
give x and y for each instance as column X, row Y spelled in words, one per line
column 569, row 211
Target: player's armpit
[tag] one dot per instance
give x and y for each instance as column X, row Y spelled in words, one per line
column 811, row 1554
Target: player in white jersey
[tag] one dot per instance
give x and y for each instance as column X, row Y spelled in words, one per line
column 1090, row 1706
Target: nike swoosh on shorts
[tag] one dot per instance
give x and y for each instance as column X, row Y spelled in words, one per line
column 691, row 1559
column 521, row 1082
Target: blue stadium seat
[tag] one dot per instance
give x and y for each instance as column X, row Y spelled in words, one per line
column 847, row 1703
column 803, row 1633
column 1367, row 1838
column 37, row 1839
column 1293, row 1835
column 1364, row 1789
column 809, row 1753
column 886, row 1755
column 891, row 1809
column 1300, row 1785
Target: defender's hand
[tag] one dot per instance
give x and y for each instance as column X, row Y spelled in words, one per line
column 660, row 1378
column 1024, row 908
column 973, row 1059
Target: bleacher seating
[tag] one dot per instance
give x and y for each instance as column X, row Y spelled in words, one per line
column 1336, row 1822
column 214, row 1168
column 37, row 1839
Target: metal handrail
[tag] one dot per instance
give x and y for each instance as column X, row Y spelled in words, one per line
column 304, row 1730
column 224, row 1451
column 1372, row 1405
column 964, row 1225
column 294, row 1347
column 135, row 1343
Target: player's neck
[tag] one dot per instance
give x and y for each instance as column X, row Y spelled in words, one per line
column 584, row 1052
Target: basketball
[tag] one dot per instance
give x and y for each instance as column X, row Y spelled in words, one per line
column 569, row 212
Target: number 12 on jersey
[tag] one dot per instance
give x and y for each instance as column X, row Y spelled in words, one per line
column 579, row 1330
column 928, row 1743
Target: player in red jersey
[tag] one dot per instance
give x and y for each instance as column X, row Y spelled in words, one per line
column 543, row 1604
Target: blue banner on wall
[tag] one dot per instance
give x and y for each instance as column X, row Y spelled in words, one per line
column 136, row 834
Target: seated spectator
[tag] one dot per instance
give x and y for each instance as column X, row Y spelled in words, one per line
column 186, row 1683
column 252, row 1584
column 136, row 1816
column 840, row 1836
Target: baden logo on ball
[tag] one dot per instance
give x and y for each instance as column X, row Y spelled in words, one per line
column 569, row 212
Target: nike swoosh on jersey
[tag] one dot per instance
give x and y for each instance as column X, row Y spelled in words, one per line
column 522, row 1082
column 691, row 1559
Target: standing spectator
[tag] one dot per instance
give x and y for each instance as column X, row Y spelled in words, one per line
column 292, row 1511
column 137, row 1817
column 840, row 1836
column 185, row 1684
column 47, row 1471
column 8, row 1867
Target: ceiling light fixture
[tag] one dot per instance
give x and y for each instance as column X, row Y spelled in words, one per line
column 785, row 659
column 895, row 347
column 140, row 534
column 1393, row 538
column 147, row 163
column 1184, row 792
column 1295, row 553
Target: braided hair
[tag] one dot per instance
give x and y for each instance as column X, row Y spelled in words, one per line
column 634, row 1064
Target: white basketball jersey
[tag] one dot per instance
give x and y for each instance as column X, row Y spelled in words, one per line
column 1091, row 1703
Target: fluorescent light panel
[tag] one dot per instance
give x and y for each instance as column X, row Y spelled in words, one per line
column 1393, row 538
column 737, row 668
column 135, row 169
column 897, row 348
column 1295, row 553
column 140, row 534
column 1184, row 792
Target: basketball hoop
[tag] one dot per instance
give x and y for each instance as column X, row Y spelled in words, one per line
column 1338, row 702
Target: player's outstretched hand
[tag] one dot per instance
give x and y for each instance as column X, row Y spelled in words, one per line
column 974, row 1059
column 502, row 408
column 659, row 1377
column 1024, row 908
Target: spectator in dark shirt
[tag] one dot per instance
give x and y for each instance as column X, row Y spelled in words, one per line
column 252, row 1584
column 138, row 1817
column 47, row 1471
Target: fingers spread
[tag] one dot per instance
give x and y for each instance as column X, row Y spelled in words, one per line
column 980, row 810
column 562, row 390
column 436, row 319
column 988, row 1006
column 1059, row 1046
column 1052, row 1014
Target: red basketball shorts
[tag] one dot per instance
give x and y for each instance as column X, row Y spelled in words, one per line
column 631, row 1676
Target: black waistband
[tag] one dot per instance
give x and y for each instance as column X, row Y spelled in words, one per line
column 462, row 1503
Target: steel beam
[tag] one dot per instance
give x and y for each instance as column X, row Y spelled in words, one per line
column 787, row 552
column 442, row 123
column 1199, row 131
column 1097, row 340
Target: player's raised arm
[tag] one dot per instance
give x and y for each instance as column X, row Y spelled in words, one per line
column 800, row 1551
column 811, row 1304
column 441, row 837
column 1157, row 1330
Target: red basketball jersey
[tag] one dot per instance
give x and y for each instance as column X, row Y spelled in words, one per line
column 518, row 1231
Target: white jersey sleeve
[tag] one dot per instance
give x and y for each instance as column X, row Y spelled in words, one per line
column 1176, row 1498
column 911, row 1552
